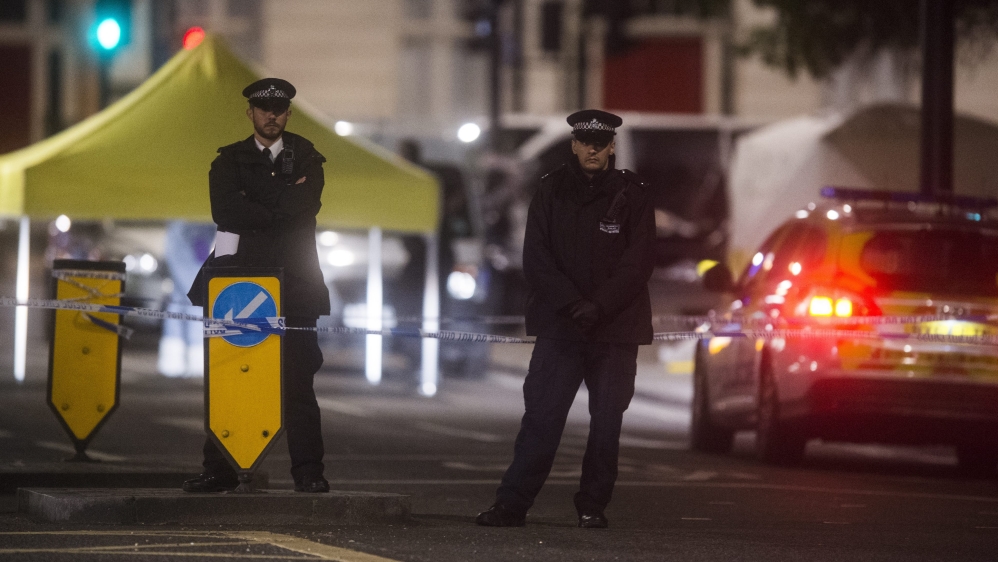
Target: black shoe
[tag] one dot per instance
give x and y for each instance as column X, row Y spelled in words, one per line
column 501, row 516
column 206, row 483
column 594, row 520
column 313, row 486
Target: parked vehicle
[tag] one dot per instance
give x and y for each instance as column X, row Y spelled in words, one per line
column 859, row 254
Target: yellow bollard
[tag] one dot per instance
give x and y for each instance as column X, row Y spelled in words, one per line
column 243, row 371
column 85, row 355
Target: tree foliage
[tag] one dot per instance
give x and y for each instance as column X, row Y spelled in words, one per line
column 820, row 35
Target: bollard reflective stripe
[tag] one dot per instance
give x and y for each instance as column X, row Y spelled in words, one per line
column 85, row 355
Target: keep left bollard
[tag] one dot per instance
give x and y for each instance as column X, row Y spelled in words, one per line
column 85, row 355
column 243, row 368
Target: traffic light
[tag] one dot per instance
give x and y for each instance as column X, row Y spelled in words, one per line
column 112, row 26
column 193, row 37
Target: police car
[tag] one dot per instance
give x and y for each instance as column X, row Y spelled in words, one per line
column 859, row 254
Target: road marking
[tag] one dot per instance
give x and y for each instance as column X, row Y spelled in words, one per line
column 304, row 549
column 744, row 476
column 304, row 546
column 696, row 518
column 191, row 424
column 721, row 503
column 413, row 457
column 642, row 443
column 474, row 467
column 852, row 505
column 4, row 434
column 64, row 448
column 342, row 407
column 461, row 433
column 700, row 476
column 677, row 416
column 836, row 522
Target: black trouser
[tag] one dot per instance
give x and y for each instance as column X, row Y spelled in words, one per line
column 557, row 369
column 303, row 427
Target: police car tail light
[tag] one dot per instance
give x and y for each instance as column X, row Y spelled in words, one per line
column 820, row 306
column 837, row 303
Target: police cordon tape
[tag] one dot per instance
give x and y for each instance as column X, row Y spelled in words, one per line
column 214, row 327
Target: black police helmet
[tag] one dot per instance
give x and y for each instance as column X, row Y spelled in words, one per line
column 270, row 94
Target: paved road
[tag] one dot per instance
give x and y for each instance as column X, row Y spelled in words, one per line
column 448, row 452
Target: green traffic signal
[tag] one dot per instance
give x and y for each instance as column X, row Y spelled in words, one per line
column 112, row 31
column 109, row 34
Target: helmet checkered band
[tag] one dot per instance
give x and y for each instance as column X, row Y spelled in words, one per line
column 271, row 92
column 592, row 125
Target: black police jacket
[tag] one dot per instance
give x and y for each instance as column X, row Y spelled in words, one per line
column 273, row 215
column 576, row 247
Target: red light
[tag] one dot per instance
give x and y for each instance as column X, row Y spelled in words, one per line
column 843, row 308
column 820, row 306
column 193, row 37
column 825, row 306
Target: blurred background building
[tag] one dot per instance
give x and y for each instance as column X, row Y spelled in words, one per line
column 403, row 67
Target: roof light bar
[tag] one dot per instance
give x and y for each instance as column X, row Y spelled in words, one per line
column 853, row 194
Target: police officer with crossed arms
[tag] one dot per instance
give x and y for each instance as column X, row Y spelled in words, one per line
column 265, row 193
column 587, row 258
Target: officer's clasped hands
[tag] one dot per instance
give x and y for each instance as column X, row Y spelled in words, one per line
column 585, row 314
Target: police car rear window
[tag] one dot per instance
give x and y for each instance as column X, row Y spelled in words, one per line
column 950, row 262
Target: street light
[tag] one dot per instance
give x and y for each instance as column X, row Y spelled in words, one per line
column 469, row 132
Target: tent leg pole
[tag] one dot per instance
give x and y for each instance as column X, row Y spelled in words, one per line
column 428, row 376
column 373, row 356
column 21, row 292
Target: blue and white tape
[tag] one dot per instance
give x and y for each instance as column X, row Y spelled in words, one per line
column 218, row 328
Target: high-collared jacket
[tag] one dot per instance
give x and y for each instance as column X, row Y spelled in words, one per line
column 274, row 216
column 578, row 247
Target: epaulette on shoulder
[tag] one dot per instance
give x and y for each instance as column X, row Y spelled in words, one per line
column 633, row 178
column 561, row 168
column 228, row 147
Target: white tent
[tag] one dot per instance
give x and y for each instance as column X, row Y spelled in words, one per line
column 780, row 168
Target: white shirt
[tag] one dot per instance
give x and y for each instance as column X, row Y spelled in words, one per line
column 275, row 148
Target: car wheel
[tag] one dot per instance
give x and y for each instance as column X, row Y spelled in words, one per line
column 705, row 436
column 977, row 460
column 776, row 442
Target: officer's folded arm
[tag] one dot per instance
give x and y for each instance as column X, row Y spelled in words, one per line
column 231, row 210
column 304, row 198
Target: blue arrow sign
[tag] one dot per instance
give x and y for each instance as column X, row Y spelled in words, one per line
column 241, row 301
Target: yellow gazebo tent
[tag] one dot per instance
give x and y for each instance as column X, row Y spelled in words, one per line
column 147, row 157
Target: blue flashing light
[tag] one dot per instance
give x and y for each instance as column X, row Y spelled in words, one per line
column 109, row 34
column 852, row 194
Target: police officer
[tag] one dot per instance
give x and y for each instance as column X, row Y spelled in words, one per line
column 265, row 193
column 587, row 258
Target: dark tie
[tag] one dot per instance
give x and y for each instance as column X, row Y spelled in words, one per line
column 266, row 153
